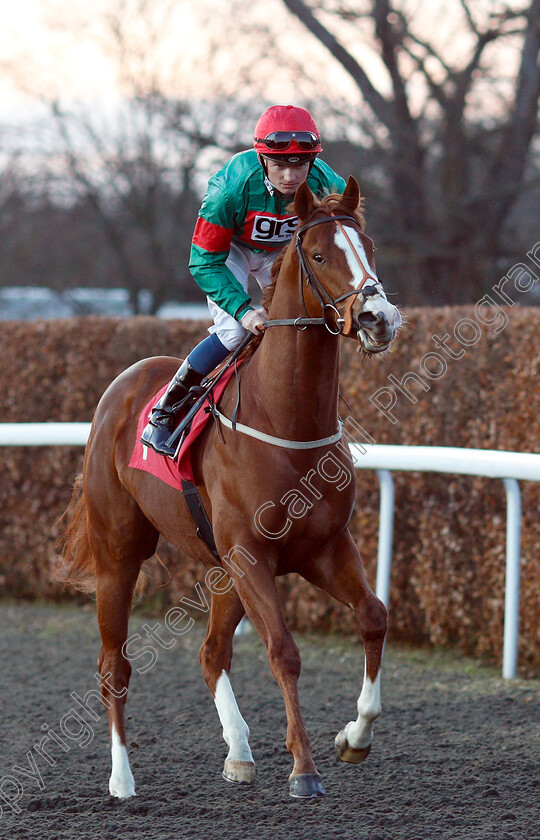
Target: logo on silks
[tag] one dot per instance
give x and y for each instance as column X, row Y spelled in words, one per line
column 266, row 228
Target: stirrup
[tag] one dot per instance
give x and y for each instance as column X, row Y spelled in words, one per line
column 177, row 435
column 156, row 436
column 179, row 432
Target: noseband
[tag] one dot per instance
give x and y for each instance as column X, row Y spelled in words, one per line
column 327, row 303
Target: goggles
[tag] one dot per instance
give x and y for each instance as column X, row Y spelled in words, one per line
column 280, row 141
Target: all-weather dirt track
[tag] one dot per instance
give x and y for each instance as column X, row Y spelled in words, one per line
column 456, row 751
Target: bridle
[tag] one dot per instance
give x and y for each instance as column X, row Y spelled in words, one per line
column 328, row 305
column 331, row 317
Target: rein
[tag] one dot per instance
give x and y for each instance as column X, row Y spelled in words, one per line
column 327, row 303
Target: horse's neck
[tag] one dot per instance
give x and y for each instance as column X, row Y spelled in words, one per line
column 296, row 372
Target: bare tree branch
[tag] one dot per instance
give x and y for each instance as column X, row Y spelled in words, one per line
column 375, row 100
column 508, row 165
column 448, row 173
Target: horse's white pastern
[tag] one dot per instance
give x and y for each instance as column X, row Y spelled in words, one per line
column 235, row 729
column 121, row 783
column 359, row 732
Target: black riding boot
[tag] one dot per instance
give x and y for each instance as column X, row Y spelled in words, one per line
column 166, row 414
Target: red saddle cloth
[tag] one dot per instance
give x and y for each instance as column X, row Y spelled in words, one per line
column 163, row 467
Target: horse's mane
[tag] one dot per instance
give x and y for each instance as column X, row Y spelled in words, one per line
column 334, row 203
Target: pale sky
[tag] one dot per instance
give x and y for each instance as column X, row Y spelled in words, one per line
column 58, row 45
column 26, row 42
column 36, row 37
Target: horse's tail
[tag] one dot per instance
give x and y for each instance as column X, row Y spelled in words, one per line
column 77, row 566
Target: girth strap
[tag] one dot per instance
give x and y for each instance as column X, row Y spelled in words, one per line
column 199, row 516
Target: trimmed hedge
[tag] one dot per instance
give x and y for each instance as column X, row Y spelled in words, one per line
column 449, row 544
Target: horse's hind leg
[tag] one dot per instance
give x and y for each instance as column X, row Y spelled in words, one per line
column 341, row 574
column 121, row 541
column 215, row 656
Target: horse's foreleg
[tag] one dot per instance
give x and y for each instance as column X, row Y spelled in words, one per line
column 215, row 656
column 340, row 573
column 259, row 595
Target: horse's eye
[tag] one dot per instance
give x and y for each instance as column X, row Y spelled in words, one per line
column 319, row 258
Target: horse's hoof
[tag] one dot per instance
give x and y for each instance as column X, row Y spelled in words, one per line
column 120, row 789
column 306, row 786
column 350, row 754
column 241, row 772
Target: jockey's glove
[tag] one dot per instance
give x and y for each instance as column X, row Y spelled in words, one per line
column 253, row 320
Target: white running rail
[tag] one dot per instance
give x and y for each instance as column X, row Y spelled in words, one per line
column 44, row 434
column 508, row 466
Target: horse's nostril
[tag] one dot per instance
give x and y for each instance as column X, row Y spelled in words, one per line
column 367, row 319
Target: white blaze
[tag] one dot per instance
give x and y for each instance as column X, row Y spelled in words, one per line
column 379, row 302
column 350, row 255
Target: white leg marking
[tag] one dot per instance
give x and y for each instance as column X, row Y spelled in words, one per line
column 235, row 729
column 121, row 783
column 359, row 732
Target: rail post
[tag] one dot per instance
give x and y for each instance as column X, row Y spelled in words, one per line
column 513, row 563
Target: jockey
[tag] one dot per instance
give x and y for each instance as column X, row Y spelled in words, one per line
column 243, row 224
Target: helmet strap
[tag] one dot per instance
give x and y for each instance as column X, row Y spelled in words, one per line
column 262, row 161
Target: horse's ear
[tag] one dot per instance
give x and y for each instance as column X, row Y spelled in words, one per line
column 304, row 203
column 351, row 194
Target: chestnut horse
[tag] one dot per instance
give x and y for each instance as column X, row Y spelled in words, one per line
column 325, row 285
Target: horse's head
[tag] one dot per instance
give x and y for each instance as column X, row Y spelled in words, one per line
column 338, row 267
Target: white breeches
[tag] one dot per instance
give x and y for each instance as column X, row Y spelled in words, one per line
column 242, row 262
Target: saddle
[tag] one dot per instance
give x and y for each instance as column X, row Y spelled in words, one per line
column 166, row 469
column 178, row 473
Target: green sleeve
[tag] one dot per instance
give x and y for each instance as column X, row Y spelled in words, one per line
column 217, row 280
column 210, row 248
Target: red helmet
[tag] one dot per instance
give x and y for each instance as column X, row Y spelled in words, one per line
column 286, row 131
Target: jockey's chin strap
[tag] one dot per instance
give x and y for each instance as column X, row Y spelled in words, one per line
column 331, row 318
